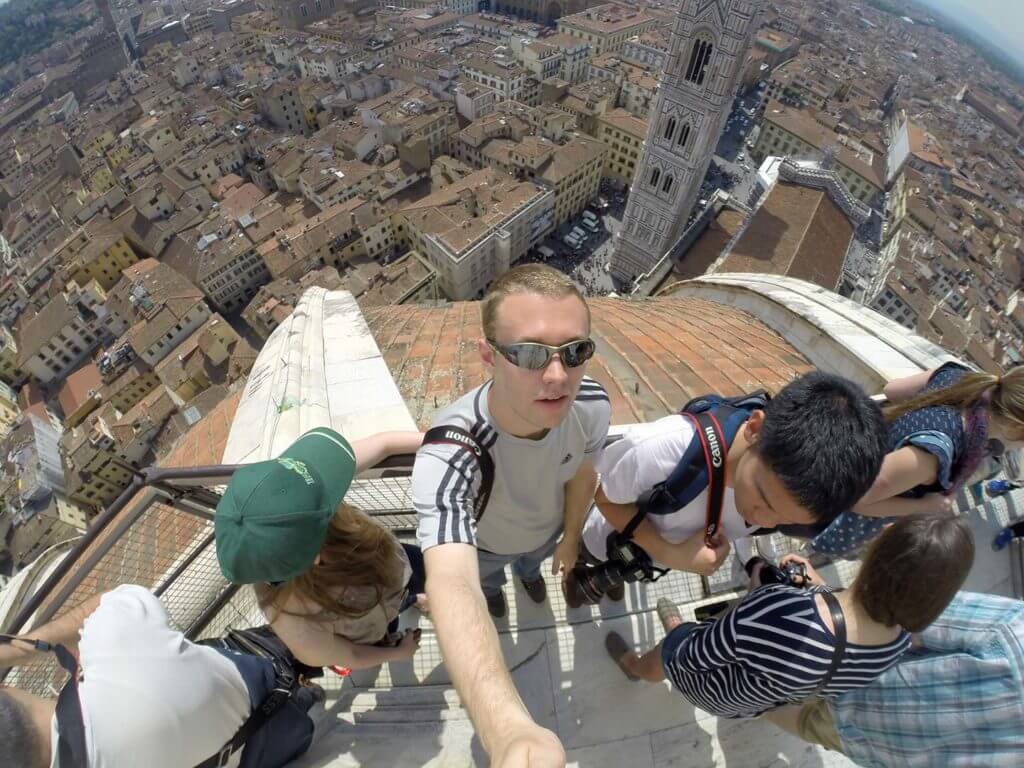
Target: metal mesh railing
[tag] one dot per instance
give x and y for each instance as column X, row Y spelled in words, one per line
column 159, row 535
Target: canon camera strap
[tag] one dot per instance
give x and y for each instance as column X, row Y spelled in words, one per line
column 446, row 435
column 714, row 451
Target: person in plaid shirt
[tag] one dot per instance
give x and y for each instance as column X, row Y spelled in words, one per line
column 956, row 700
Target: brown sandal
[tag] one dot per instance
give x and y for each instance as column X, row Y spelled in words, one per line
column 618, row 649
column 668, row 612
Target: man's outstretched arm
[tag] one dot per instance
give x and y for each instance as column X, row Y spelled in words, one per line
column 472, row 653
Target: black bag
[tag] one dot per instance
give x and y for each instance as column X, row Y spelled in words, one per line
column 263, row 643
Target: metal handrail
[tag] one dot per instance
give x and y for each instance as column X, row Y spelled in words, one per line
column 187, row 489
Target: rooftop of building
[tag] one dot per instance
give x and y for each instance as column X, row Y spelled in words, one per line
column 608, row 18
column 462, row 213
column 803, row 125
column 797, row 231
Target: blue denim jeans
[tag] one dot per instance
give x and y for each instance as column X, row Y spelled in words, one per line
column 525, row 566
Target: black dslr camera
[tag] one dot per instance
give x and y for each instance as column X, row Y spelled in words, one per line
column 792, row 573
column 626, row 562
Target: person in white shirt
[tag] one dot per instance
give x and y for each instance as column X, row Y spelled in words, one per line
column 149, row 697
column 811, row 453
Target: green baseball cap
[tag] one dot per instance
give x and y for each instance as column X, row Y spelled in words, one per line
column 273, row 517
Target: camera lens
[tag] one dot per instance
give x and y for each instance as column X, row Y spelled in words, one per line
column 590, row 584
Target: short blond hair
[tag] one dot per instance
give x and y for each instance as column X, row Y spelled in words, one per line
column 538, row 279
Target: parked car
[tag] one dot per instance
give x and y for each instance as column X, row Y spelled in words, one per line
column 580, row 234
column 591, row 225
column 571, row 240
column 590, row 216
column 546, row 253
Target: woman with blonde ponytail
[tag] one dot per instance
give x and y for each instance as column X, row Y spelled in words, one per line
column 942, row 423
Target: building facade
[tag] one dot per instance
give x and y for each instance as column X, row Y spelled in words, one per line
column 709, row 47
column 472, row 231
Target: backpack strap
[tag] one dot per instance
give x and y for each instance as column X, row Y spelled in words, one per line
column 71, row 750
column 251, row 642
column 71, row 747
column 448, row 435
column 701, row 466
column 839, row 630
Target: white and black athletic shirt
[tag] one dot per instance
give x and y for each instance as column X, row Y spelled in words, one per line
column 771, row 649
column 526, row 506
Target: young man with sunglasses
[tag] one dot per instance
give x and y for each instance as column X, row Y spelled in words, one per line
column 543, row 424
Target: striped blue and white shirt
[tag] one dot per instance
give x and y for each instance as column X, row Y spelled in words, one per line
column 772, row 649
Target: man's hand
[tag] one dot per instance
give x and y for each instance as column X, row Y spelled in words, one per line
column 709, row 558
column 408, row 645
column 529, row 746
column 564, row 557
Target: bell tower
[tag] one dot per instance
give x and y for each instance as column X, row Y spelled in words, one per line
column 710, row 40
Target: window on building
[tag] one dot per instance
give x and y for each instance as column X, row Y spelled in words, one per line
column 319, row 5
column 303, row 11
column 667, row 186
column 700, row 57
column 655, row 177
column 684, row 136
column 670, row 128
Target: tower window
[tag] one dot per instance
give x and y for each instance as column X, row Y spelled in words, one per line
column 684, row 135
column 700, row 57
column 670, row 128
column 655, row 177
column 667, row 186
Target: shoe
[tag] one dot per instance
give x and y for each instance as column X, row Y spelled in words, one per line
column 617, row 593
column 536, row 589
column 1004, row 537
column 319, row 694
column 619, row 649
column 571, row 591
column 669, row 614
column 496, row 605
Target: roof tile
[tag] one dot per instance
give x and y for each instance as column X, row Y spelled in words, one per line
column 652, row 355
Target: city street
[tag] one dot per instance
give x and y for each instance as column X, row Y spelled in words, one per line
column 587, row 264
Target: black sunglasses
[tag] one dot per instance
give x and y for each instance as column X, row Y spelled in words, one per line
column 534, row 356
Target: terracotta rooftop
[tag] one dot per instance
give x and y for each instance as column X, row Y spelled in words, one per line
column 78, row 388
column 652, row 355
column 798, row 232
column 204, row 443
column 709, row 245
